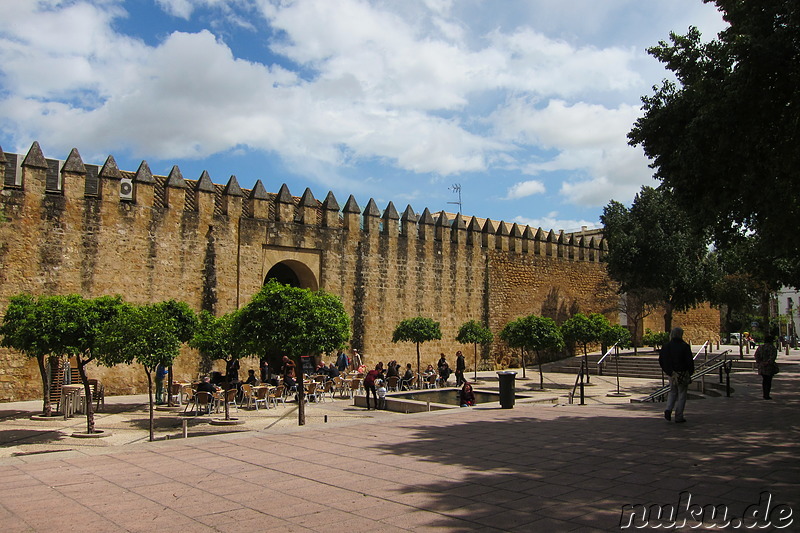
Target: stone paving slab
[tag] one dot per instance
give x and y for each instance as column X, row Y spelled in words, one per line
column 532, row 468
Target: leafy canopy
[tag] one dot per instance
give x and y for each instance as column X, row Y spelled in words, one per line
column 290, row 320
column 473, row 332
column 146, row 334
column 418, row 329
column 724, row 137
column 533, row 333
column 654, row 250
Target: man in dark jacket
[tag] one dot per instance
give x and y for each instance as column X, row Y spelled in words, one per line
column 676, row 361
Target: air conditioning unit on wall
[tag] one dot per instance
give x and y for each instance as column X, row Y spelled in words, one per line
column 126, row 189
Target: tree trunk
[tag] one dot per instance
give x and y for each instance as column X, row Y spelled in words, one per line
column 522, row 354
column 668, row 317
column 47, row 407
column 586, row 360
column 418, row 373
column 169, row 386
column 87, row 391
column 541, row 374
column 150, row 402
column 301, row 395
column 475, row 378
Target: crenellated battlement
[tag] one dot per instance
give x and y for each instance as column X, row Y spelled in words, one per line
column 71, row 227
column 30, row 177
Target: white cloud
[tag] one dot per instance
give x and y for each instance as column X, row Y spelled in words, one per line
column 525, row 188
column 552, row 221
column 422, row 86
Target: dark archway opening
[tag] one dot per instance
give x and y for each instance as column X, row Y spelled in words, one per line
column 283, row 273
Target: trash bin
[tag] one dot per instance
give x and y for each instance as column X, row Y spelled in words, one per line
column 506, row 379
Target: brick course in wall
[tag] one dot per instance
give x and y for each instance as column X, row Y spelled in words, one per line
column 212, row 246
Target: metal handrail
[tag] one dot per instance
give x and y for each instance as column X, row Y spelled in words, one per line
column 715, row 365
column 700, row 350
column 578, row 380
column 607, row 353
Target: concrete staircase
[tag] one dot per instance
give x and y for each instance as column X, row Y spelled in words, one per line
column 644, row 365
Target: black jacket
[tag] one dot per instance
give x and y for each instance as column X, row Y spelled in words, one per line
column 676, row 356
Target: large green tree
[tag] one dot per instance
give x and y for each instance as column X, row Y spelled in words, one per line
column 292, row 321
column 475, row 333
column 655, row 250
column 724, row 135
column 417, row 330
column 533, row 333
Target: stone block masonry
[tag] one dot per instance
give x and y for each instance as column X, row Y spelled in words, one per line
column 69, row 227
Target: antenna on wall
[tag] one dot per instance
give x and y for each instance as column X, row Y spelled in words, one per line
column 456, row 188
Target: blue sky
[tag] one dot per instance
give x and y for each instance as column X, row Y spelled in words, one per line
column 525, row 104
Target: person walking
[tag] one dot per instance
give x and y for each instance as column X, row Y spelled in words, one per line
column 461, row 365
column 676, row 361
column 765, row 356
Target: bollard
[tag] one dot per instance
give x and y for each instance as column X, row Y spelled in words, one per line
column 185, row 424
column 326, row 419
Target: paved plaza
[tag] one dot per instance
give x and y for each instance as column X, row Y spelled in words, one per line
column 537, row 467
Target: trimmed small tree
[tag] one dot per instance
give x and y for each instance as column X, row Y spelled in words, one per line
column 582, row 329
column 417, row 330
column 215, row 339
column 473, row 332
column 294, row 321
column 145, row 334
column 534, row 333
column 185, row 320
column 22, row 330
column 82, row 320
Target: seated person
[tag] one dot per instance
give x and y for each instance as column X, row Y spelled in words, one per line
column 206, row 386
column 333, row 372
column 252, row 379
column 444, row 373
column 429, row 371
column 408, row 377
column 466, row 397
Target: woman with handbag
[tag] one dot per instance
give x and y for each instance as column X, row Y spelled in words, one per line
column 765, row 355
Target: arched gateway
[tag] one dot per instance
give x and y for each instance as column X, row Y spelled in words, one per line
column 294, row 273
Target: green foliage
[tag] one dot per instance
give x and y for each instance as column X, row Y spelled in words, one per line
column 724, row 136
column 583, row 329
column 418, row 329
column 20, row 325
column 183, row 316
column 532, row 333
column 473, row 332
column 655, row 252
column 655, row 339
column 145, row 334
column 57, row 326
column 214, row 337
column 293, row 321
column 616, row 334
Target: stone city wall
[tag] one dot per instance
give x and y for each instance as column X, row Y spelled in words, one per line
column 69, row 227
